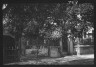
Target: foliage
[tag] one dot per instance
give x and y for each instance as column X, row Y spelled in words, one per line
column 43, row 19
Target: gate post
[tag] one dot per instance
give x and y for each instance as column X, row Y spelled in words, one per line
column 70, row 45
column 78, row 47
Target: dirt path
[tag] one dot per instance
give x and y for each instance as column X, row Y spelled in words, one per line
column 68, row 60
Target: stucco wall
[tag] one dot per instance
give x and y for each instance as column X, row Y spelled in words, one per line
column 41, row 51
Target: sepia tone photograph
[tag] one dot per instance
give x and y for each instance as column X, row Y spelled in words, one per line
column 48, row 33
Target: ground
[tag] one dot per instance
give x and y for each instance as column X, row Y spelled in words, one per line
column 67, row 60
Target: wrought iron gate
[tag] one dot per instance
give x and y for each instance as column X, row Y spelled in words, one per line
column 10, row 50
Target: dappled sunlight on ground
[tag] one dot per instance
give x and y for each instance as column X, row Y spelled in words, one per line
column 82, row 59
column 87, row 56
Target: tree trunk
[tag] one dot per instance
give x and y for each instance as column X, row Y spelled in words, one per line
column 23, row 43
column 61, row 45
column 48, row 48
